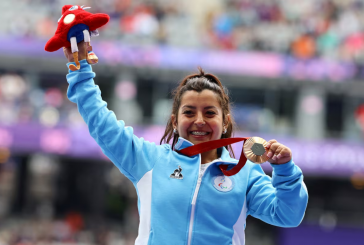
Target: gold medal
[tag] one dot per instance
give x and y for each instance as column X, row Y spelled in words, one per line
column 255, row 151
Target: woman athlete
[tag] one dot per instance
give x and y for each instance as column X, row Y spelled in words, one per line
column 188, row 200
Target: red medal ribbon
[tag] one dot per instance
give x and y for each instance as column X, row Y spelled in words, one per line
column 214, row 144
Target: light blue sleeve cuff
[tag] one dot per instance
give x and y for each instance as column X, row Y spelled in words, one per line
column 84, row 66
column 286, row 169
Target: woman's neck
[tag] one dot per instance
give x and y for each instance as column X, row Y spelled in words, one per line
column 209, row 156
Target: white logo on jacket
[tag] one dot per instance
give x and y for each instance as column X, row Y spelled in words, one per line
column 223, row 183
column 177, row 173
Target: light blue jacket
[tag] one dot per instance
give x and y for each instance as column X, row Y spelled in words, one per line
column 175, row 205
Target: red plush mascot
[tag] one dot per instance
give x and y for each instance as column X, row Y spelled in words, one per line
column 74, row 26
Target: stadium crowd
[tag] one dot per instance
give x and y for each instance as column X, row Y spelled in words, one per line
column 329, row 29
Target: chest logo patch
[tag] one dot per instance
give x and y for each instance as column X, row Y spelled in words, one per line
column 223, row 183
column 177, row 173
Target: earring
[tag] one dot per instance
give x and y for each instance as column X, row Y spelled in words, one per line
column 175, row 131
column 225, row 130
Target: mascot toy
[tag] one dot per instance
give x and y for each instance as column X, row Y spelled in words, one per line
column 74, row 26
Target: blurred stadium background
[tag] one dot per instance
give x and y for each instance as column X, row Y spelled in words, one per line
column 295, row 73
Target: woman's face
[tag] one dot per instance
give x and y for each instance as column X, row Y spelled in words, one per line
column 200, row 117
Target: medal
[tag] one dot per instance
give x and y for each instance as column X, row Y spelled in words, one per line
column 254, row 150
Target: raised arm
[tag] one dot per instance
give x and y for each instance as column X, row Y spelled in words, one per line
column 280, row 200
column 132, row 155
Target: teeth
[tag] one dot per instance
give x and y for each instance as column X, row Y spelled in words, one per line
column 199, row 133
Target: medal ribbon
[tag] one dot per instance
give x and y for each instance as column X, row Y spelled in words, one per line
column 214, row 144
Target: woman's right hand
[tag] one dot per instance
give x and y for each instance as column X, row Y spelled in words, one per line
column 82, row 52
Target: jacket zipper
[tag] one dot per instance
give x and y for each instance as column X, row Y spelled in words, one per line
column 192, row 218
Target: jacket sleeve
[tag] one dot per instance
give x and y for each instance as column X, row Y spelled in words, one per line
column 280, row 200
column 132, row 155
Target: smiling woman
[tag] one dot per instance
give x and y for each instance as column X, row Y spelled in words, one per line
column 207, row 206
column 201, row 112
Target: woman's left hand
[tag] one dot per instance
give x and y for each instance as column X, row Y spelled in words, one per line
column 278, row 153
